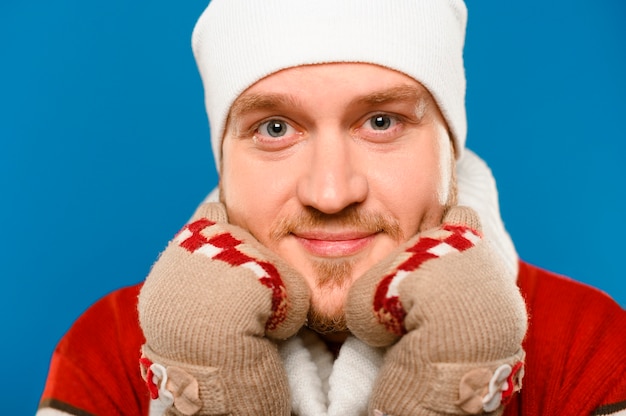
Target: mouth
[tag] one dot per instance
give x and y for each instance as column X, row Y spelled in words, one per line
column 334, row 245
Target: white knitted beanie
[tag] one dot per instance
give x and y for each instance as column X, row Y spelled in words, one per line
column 238, row 42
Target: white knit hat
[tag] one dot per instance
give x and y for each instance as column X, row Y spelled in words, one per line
column 238, row 42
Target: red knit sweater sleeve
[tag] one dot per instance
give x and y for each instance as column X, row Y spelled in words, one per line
column 95, row 367
column 575, row 349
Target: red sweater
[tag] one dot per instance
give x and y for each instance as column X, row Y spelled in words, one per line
column 575, row 354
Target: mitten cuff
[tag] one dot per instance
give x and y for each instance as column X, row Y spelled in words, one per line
column 475, row 388
column 185, row 388
column 458, row 389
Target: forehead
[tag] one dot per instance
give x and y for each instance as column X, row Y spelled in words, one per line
column 351, row 82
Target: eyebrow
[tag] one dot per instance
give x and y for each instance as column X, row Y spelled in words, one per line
column 261, row 102
column 401, row 93
column 272, row 102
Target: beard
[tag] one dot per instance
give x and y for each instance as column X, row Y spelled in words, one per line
column 331, row 275
column 334, row 274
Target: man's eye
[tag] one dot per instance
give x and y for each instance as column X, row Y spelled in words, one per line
column 275, row 128
column 381, row 122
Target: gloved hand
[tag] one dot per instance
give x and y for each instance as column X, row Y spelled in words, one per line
column 208, row 309
column 458, row 319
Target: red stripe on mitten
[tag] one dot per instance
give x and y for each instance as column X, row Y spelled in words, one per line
column 208, row 309
column 456, row 317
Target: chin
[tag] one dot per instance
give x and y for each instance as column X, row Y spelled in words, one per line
column 326, row 314
column 327, row 322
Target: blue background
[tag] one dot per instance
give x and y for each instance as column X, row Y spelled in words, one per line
column 104, row 149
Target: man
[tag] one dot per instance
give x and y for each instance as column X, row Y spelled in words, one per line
column 339, row 133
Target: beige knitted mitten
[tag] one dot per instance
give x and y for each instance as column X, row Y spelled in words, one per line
column 207, row 308
column 458, row 319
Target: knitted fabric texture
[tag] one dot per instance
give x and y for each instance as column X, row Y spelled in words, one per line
column 238, row 42
column 324, row 386
column 207, row 308
column 457, row 317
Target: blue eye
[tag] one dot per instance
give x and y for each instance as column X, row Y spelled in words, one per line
column 275, row 134
column 380, row 122
column 274, row 128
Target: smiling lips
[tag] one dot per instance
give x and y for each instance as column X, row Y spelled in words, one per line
column 342, row 244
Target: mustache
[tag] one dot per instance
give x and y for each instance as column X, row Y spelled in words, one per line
column 351, row 217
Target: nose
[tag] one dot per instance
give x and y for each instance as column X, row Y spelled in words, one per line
column 335, row 177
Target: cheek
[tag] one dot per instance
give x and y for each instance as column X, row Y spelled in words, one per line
column 253, row 193
column 414, row 188
column 237, row 189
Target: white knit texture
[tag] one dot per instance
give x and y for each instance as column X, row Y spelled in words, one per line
column 353, row 377
column 238, row 42
column 477, row 190
column 47, row 411
column 308, row 364
column 320, row 387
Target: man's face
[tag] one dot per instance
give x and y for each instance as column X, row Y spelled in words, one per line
column 332, row 167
